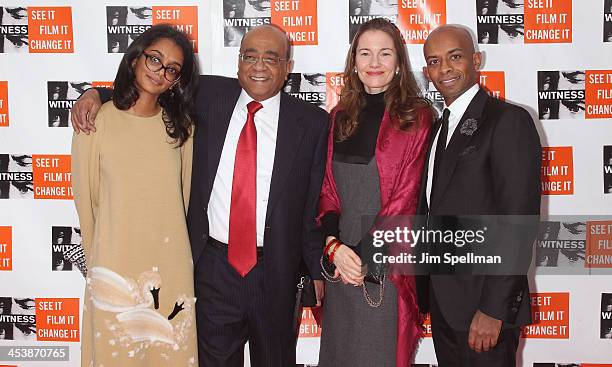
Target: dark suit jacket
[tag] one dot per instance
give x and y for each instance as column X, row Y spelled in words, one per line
column 494, row 171
column 290, row 233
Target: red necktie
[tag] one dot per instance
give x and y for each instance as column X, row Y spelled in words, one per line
column 242, row 244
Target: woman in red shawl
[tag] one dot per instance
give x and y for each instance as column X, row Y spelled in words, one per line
column 376, row 150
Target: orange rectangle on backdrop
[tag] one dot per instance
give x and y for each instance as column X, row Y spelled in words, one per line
column 57, row 319
column 4, row 110
column 52, row 177
column 598, row 244
column 99, row 84
column 557, row 171
column 333, row 87
column 417, row 18
column 551, row 316
column 50, row 29
column 427, row 326
column 548, row 21
column 298, row 18
column 598, row 94
column 183, row 18
column 494, row 82
column 308, row 326
column 6, row 248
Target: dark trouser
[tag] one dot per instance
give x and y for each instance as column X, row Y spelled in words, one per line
column 452, row 349
column 230, row 310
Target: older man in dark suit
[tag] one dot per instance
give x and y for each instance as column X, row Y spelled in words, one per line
column 484, row 160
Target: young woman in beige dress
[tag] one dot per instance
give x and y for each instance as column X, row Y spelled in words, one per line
column 131, row 188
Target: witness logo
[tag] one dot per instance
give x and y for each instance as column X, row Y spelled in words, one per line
column 4, row 110
column 298, row 18
column 239, row 16
column 40, row 319
column 35, row 176
column 607, row 169
column 6, row 248
column 599, row 244
column 309, row 87
column 62, row 96
column 607, row 21
column 516, row 21
column 574, row 94
column 16, row 176
column 417, row 18
column 561, row 244
column 557, row 171
column 550, row 313
column 361, row 11
column 561, row 94
column 17, row 318
column 63, row 240
column 125, row 23
column 606, row 316
column 36, row 29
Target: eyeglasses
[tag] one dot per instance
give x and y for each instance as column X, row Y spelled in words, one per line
column 268, row 60
column 154, row 64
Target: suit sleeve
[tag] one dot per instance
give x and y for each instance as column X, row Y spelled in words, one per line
column 85, row 167
column 312, row 245
column 516, row 166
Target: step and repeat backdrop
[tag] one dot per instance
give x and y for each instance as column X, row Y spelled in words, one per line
column 554, row 57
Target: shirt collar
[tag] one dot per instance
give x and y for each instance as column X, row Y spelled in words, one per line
column 458, row 107
column 269, row 105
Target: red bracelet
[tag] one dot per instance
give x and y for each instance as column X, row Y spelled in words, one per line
column 329, row 245
column 333, row 252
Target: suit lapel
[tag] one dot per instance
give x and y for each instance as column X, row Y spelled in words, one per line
column 288, row 141
column 220, row 114
column 457, row 143
column 423, row 207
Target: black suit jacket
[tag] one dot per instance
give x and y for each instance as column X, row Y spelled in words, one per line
column 290, row 234
column 494, row 171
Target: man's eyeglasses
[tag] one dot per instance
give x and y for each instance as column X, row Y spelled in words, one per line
column 267, row 59
column 154, row 64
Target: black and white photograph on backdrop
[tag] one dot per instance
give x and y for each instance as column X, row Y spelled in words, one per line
column 13, row 29
column 16, row 177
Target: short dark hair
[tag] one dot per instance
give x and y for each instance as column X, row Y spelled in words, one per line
column 178, row 108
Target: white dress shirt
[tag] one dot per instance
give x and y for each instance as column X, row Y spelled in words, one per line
column 457, row 109
column 266, row 123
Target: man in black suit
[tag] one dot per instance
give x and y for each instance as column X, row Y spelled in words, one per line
column 484, row 160
column 249, row 294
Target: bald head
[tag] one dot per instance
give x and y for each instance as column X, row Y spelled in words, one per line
column 454, row 31
column 273, row 33
column 452, row 64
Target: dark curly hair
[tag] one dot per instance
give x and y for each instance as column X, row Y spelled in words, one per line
column 177, row 104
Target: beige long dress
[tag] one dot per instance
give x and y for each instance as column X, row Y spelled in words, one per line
column 131, row 189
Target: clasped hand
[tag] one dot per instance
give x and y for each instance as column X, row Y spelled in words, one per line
column 348, row 265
